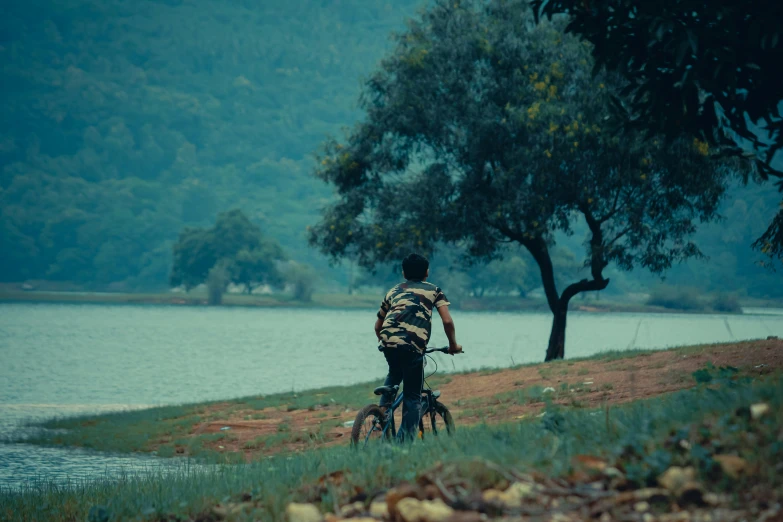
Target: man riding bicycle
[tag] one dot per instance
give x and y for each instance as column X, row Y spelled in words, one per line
column 403, row 329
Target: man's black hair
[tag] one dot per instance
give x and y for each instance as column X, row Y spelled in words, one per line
column 415, row 267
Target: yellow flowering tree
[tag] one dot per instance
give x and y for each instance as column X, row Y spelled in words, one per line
column 501, row 133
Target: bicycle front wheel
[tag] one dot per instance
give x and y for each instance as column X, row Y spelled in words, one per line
column 436, row 421
column 369, row 425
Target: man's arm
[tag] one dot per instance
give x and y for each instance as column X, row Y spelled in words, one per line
column 379, row 324
column 448, row 327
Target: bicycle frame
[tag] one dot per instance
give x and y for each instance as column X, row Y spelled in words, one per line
column 426, row 400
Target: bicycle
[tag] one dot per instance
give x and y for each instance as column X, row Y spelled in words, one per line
column 372, row 420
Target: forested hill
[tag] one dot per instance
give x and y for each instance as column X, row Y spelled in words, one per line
column 121, row 122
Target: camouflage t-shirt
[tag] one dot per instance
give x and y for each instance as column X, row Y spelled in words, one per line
column 408, row 307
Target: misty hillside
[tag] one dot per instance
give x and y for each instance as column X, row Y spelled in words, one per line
column 122, row 122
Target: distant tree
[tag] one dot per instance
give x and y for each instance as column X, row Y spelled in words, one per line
column 217, row 280
column 252, row 268
column 302, row 278
column 193, row 257
column 245, row 256
column 708, row 69
column 483, row 128
column 504, row 276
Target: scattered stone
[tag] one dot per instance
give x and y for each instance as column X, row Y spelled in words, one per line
column 641, row 507
column 413, row 510
column 651, row 494
column 351, row 510
column 302, row 513
column 732, row 465
column 759, row 410
column 379, row 510
column 676, row 478
column 394, row 495
column 467, row 516
column 512, row 497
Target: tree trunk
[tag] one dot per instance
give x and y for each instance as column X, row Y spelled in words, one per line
column 556, row 348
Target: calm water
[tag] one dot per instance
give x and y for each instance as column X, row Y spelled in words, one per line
column 60, row 359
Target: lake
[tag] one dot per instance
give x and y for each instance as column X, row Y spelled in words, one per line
column 61, row 359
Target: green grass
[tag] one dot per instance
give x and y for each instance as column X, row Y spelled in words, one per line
column 635, row 431
column 140, row 430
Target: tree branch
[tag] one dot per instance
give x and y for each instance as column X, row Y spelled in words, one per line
column 538, row 249
column 584, row 285
column 597, row 259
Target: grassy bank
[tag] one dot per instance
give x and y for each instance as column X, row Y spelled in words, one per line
column 252, row 428
column 703, row 427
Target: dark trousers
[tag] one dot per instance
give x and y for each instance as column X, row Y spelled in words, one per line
column 406, row 367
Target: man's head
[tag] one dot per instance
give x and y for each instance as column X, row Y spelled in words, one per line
column 415, row 267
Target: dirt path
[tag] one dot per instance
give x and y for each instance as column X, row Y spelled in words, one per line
column 497, row 396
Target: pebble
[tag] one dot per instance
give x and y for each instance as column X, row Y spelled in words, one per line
column 302, row 513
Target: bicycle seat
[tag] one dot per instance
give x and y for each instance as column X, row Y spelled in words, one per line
column 380, row 390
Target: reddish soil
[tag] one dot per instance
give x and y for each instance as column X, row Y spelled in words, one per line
column 490, row 396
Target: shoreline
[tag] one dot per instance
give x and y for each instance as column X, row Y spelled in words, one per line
column 575, row 459
column 342, row 301
column 247, row 429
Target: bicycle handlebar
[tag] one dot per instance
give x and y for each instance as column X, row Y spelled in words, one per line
column 442, row 350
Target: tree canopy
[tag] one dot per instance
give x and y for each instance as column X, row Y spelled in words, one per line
column 236, row 246
column 121, row 123
column 483, row 128
column 709, row 69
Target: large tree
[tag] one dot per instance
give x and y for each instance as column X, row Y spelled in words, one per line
column 709, row 69
column 235, row 245
column 483, row 128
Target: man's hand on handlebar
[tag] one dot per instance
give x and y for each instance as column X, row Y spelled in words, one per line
column 457, row 349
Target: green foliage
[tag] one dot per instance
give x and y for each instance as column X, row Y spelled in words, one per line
column 303, row 279
column 217, row 279
column 642, row 436
column 710, row 373
column 122, row 126
column 504, row 117
column 233, row 250
column 724, row 302
column 681, row 79
column 677, row 298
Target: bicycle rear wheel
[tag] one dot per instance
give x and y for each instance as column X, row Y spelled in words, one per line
column 436, row 421
column 369, row 425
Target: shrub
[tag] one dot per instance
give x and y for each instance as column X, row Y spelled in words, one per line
column 216, row 284
column 728, row 303
column 677, row 298
column 302, row 279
